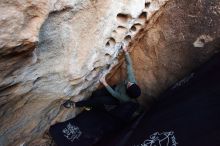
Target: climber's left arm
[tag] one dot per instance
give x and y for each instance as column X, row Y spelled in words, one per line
column 130, row 73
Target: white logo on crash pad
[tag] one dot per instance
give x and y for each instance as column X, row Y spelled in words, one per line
column 71, row 132
column 160, row 139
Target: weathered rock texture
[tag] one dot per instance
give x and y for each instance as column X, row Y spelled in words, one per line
column 51, row 50
column 180, row 37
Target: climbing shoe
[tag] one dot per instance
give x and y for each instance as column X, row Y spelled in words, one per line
column 87, row 108
column 69, row 104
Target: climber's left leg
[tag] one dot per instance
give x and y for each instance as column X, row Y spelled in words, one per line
column 101, row 103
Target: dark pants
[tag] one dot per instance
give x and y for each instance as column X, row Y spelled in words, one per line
column 101, row 99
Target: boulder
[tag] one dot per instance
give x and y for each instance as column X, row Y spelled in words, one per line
column 55, row 50
column 179, row 38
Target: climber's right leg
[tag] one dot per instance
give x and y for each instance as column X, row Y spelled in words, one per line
column 94, row 102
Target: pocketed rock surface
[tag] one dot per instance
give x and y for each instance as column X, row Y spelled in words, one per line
column 53, row 50
column 179, row 38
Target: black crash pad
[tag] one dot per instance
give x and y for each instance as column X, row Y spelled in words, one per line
column 89, row 127
column 84, row 130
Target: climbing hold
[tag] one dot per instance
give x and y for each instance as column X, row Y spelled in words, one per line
column 143, row 15
column 123, row 18
column 147, row 4
column 127, row 38
column 111, row 42
column 121, row 29
column 135, row 27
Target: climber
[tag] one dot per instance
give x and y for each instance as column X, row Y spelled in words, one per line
column 107, row 111
column 127, row 91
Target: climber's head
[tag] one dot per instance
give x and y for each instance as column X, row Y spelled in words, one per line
column 133, row 90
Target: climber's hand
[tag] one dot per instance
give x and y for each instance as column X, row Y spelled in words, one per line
column 103, row 81
column 125, row 49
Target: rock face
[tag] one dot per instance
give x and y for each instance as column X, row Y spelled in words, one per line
column 56, row 49
column 51, row 50
column 179, row 38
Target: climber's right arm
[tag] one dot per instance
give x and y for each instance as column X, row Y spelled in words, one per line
column 113, row 93
column 110, row 90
